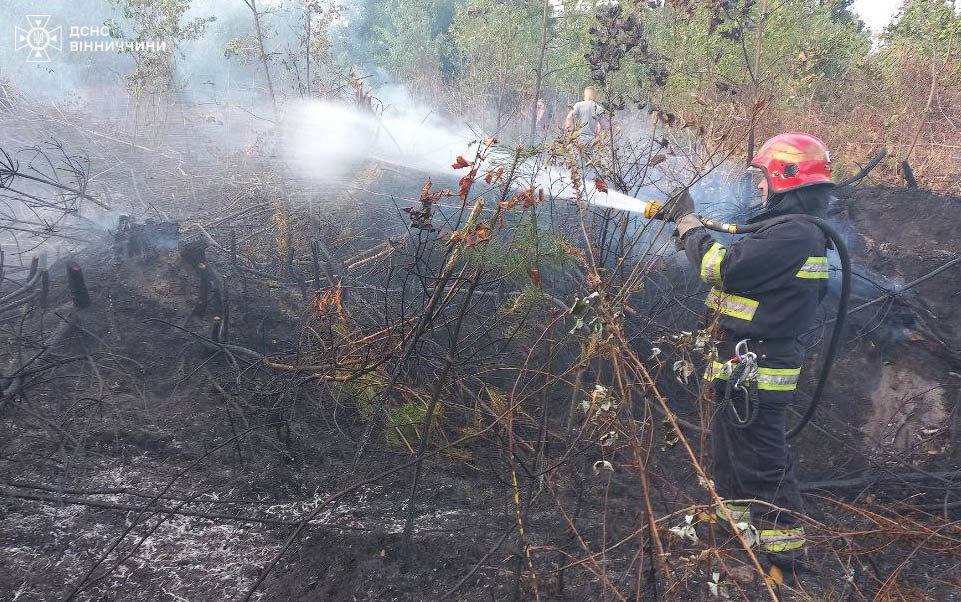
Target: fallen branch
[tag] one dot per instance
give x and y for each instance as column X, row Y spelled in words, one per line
column 952, row 478
column 866, row 169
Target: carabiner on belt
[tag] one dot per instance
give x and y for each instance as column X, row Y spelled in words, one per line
column 743, row 377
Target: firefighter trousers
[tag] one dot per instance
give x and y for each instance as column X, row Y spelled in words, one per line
column 754, row 463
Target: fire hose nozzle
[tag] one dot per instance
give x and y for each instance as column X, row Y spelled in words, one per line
column 652, row 208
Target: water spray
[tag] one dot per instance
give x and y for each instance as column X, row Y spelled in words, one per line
column 622, row 202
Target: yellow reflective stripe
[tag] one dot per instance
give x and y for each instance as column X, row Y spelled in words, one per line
column 716, row 370
column 782, row 540
column 731, row 305
column 780, row 371
column 711, row 264
column 776, row 386
column 814, row 268
column 768, row 379
column 778, row 379
column 740, row 514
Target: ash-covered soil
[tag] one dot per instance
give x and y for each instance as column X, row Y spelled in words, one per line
column 896, row 385
column 140, row 408
column 150, row 417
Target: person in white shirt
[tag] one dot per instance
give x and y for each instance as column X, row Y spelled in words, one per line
column 585, row 116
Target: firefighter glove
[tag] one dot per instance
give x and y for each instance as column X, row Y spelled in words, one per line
column 678, row 205
column 687, row 223
column 679, row 209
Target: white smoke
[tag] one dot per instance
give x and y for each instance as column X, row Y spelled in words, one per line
column 326, row 141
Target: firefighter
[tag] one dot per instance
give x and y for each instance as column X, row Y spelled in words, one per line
column 765, row 291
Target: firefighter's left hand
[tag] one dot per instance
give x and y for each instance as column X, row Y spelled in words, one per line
column 678, row 205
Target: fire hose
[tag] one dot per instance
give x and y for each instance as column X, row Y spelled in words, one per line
column 843, row 302
column 652, row 208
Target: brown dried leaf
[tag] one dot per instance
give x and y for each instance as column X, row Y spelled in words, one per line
column 461, row 163
column 465, row 183
column 535, row 276
column 480, row 234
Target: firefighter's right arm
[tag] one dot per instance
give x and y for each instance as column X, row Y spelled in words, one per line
column 747, row 265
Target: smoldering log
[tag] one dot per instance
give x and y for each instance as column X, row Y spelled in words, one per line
column 78, row 288
column 195, row 254
column 149, row 237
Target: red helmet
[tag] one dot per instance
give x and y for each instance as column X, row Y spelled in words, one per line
column 795, row 160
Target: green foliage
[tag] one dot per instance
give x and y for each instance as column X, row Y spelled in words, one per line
column 153, row 22
column 404, row 424
column 786, row 52
column 518, row 248
column 408, row 37
column 719, row 69
column 927, row 26
column 304, row 63
column 494, row 50
column 528, row 299
column 363, row 390
column 925, row 32
column 316, row 47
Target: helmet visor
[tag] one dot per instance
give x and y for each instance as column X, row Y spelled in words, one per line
column 758, row 191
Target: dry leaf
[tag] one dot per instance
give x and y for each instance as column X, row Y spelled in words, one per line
column 465, row 183
column 461, row 163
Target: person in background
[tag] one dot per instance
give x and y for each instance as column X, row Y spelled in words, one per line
column 541, row 120
column 585, row 117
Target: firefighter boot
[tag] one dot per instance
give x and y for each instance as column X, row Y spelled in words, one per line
column 786, row 566
column 785, row 552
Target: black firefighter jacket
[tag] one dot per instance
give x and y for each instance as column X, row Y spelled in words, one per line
column 765, row 286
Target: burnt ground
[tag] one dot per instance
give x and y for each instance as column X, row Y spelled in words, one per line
column 134, row 401
column 901, row 370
